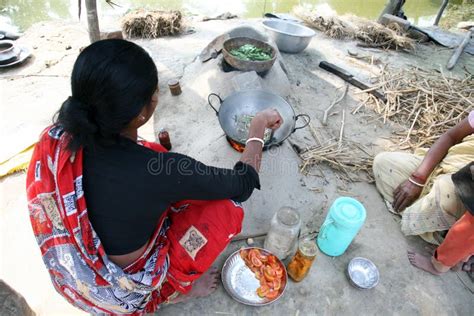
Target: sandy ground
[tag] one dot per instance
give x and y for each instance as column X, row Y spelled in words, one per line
column 32, row 93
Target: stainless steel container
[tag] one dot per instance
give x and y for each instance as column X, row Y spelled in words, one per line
column 290, row 37
column 363, row 273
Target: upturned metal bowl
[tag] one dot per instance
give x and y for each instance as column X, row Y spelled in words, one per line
column 363, row 273
column 248, row 65
column 290, row 37
column 8, row 52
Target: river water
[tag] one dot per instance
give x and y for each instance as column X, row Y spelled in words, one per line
column 24, row 13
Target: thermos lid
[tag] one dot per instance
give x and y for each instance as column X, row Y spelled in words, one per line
column 348, row 212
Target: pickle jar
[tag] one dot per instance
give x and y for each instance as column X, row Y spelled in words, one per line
column 302, row 261
column 283, row 234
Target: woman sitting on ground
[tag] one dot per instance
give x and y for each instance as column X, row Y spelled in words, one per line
column 122, row 224
column 434, row 194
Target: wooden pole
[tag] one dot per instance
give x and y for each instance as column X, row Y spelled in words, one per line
column 392, row 7
column 92, row 20
column 457, row 53
column 440, row 12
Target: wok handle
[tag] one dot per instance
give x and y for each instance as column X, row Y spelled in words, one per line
column 307, row 119
column 210, row 103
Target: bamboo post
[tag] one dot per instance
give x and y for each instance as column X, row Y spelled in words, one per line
column 458, row 51
column 92, row 20
column 440, row 12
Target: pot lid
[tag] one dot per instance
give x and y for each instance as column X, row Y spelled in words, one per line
column 348, row 212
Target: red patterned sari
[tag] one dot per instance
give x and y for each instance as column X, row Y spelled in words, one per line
column 187, row 239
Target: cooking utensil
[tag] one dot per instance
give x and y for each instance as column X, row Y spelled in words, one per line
column 250, row 102
column 281, row 16
column 8, row 52
column 289, row 37
column 363, row 273
column 346, row 76
column 24, row 55
column 248, row 65
column 241, row 284
column 214, row 48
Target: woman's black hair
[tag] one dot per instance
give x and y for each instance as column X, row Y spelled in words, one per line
column 111, row 82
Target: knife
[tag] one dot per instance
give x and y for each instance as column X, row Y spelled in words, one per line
column 346, row 76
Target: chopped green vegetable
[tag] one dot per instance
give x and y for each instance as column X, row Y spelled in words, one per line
column 251, row 53
column 243, row 125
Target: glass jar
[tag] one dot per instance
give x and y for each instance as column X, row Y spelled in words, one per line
column 283, row 234
column 302, row 261
column 175, row 87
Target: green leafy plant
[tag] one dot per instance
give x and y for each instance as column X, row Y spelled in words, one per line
column 251, row 53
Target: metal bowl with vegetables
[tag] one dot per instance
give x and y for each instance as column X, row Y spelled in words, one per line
column 248, row 54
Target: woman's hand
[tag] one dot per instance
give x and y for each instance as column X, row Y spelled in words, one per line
column 270, row 118
column 404, row 195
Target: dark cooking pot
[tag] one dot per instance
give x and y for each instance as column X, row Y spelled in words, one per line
column 249, row 103
column 247, row 65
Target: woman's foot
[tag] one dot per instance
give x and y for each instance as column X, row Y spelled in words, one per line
column 422, row 262
column 202, row 287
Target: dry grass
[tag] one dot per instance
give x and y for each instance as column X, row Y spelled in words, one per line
column 151, row 24
column 370, row 33
column 352, row 161
column 427, row 102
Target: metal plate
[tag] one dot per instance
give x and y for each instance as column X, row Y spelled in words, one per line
column 241, row 284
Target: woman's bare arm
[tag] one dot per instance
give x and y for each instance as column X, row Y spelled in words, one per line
column 407, row 192
column 252, row 154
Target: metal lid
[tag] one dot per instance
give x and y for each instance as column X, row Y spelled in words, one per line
column 173, row 82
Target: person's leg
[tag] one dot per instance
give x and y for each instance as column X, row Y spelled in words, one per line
column 457, row 247
column 199, row 232
column 391, row 169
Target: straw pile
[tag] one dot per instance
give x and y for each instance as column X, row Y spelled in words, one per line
column 428, row 101
column 372, row 34
column 351, row 160
column 151, row 24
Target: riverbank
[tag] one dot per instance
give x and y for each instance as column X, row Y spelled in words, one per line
column 33, row 92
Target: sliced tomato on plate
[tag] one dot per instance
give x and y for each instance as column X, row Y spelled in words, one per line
column 272, row 294
column 272, row 259
column 276, row 284
column 256, row 262
column 263, row 291
column 269, row 273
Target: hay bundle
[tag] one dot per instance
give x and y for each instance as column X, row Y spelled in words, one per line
column 332, row 26
column 428, row 102
column 369, row 32
column 374, row 34
column 151, row 24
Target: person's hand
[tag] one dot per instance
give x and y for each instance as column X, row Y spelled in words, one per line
column 404, row 195
column 270, row 118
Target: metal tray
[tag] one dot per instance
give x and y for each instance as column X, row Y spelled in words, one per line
column 241, row 284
